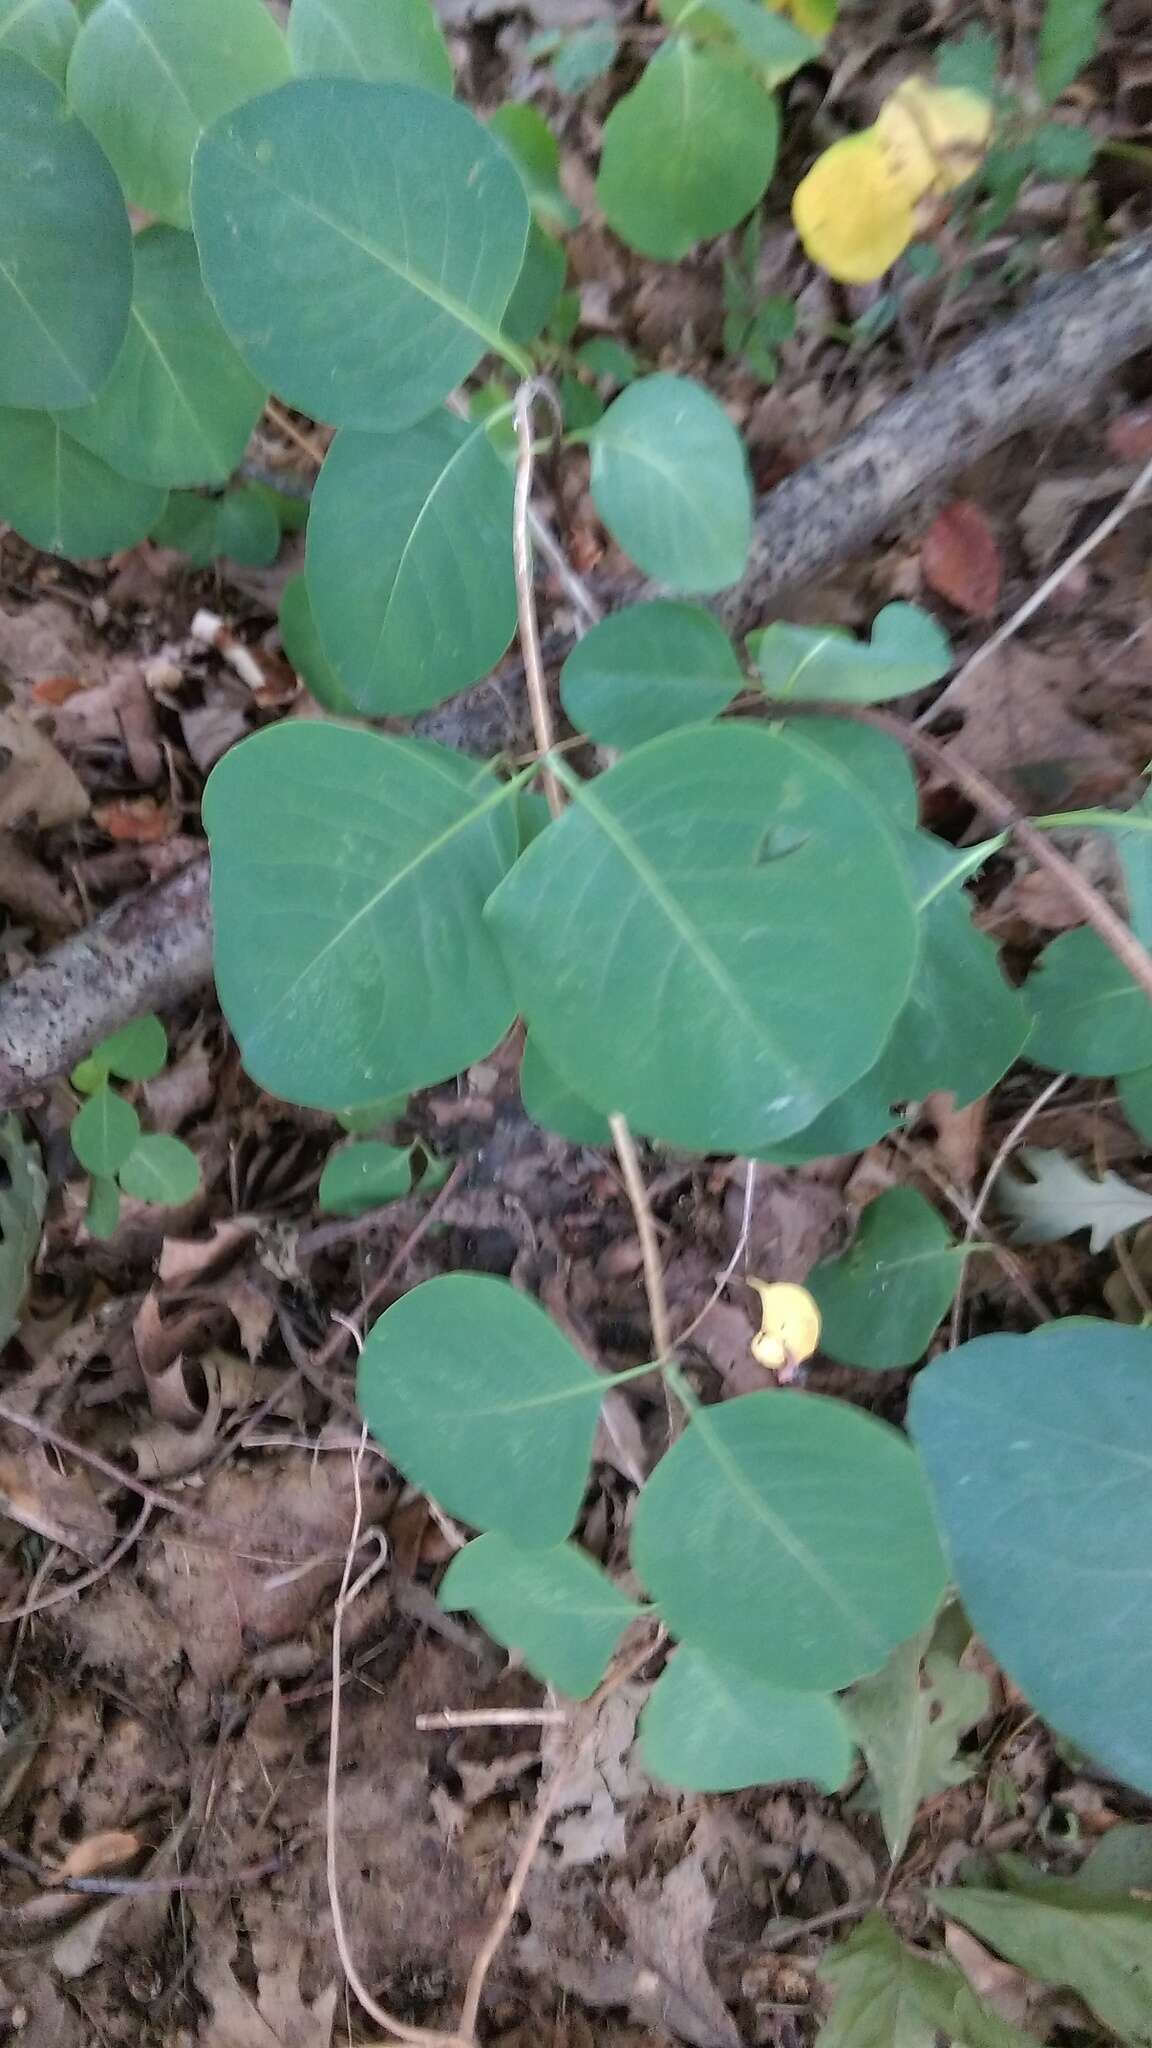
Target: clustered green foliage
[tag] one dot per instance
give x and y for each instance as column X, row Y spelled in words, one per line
column 738, row 936
column 106, row 1133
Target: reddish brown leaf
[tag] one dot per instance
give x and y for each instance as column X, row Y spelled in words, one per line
column 1129, row 438
column 960, row 558
column 55, row 689
column 140, row 821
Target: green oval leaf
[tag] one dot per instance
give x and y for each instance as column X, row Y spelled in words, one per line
column 711, row 1727
column 1069, row 34
column 191, row 524
column 775, row 45
column 874, row 758
column 104, row 1132
column 881, row 1300
column 670, row 481
column 161, row 1169
column 301, row 643
column 626, row 927
column 149, row 76
column 65, row 248
column 790, row 1535
column 410, row 562
column 556, row 1607
column 1088, row 1016
column 137, row 1052
column 102, row 1215
column 551, row 1103
column 647, row 669
column 535, row 152
column 65, row 500
column 179, row 405
column 360, row 1177
column 399, row 308
column 42, row 32
column 399, row 41
column 348, row 877
column 688, row 152
column 481, row 1402
column 907, row 651
column 1037, row 1449
column 247, row 529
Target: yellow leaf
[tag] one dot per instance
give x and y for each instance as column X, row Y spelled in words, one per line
column 852, row 212
column 789, row 1325
column 937, row 134
column 815, row 17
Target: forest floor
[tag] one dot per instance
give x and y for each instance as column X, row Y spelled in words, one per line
column 172, row 1715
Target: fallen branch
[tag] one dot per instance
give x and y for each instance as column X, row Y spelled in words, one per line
column 153, row 950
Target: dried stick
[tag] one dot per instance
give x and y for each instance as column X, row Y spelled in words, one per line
column 534, row 676
column 974, row 1219
column 629, row 1159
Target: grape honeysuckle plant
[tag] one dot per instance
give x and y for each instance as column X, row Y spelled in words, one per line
column 737, row 938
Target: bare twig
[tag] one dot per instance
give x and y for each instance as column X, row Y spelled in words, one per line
column 86, row 1579
column 629, row 1159
column 1004, row 1152
column 526, row 596
column 741, row 1246
column 495, row 1717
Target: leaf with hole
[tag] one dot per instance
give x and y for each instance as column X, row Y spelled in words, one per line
column 688, row 152
column 1037, row 1452
column 907, row 651
column 670, row 481
column 179, row 405
column 397, row 41
column 711, row 1727
column 64, row 499
column 556, row 1607
column 791, row 1535
column 161, row 1169
column 328, row 179
column 42, row 32
column 881, row 1300
column 360, row 1177
column 551, row 1103
column 909, row 1722
column 647, row 669
column 137, row 1052
column 625, row 928
column 1060, row 1199
column 65, row 248
column 410, row 562
column 478, row 1398
column 378, row 974
column 1088, row 1015
column 149, row 76
column 303, row 649
column 104, row 1132
column 23, row 1193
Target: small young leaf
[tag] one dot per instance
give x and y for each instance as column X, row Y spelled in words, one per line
column 102, row 1215
column 137, row 1052
column 670, row 481
column 65, row 247
column 909, row 1730
column 556, row 1107
column 104, row 1132
column 360, row 1123
column 711, row 1727
column 410, row 562
column 1036, row 1449
column 1069, row 35
column 1099, row 1948
column 534, row 151
column 907, row 651
column 478, row 1398
column 555, row 1606
column 898, row 1996
column 87, row 1076
column 585, row 56
column 791, row 1535
column 148, row 76
column 161, row 1169
column 384, row 977
column 65, row 500
column 688, row 152
column 403, row 284
column 1061, row 151
column 606, row 358
column 647, row 669
column 301, row 644
column 22, row 1199
column 971, row 63
column 400, row 43
column 881, row 1300
column 1088, row 1016
column 1061, row 1199
column 42, row 32
column 360, row 1177
column 776, row 47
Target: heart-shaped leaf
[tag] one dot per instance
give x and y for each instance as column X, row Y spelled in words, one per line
column 392, row 258
column 907, row 651
column 712, row 1727
column 64, row 499
column 161, row 1169
column 647, row 669
column 376, row 975
column 670, row 481
column 104, row 1132
column 65, row 248
column 481, row 1402
column 400, row 42
column 137, row 1052
column 42, row 32
column 881, row 1300
column 791, row 1535
column 149, row 76
column 1037, row 1452
column 555, row 1606
column 626, row 931
column 688, row 152
column 179, row 405
column 1088, row 1016
column 410, row 562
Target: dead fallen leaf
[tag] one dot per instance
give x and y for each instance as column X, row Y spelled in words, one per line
column 667, row 1921
column 137, row 821
column 186, row 1260
column 592, row 1812
column 1051, row 512
column 960, row 558
column 97, row 1853
column 47, row 639
column 55, row 690
column 30, row 891
column 61, row 1507
column 36, row 784
column 1022, row 727
column 1006, row 1989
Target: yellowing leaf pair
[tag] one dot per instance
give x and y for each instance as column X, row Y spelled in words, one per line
column 858, row 208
